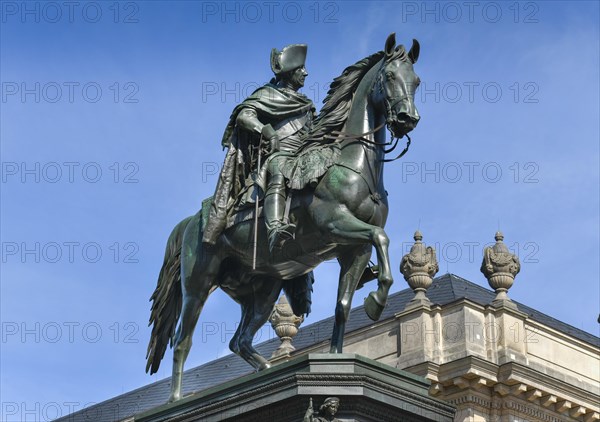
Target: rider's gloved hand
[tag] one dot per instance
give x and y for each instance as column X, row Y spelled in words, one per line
column 270, row 135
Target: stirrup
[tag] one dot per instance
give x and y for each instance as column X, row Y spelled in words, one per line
column 280, row 235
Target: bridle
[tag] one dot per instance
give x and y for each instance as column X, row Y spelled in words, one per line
column 343, row 136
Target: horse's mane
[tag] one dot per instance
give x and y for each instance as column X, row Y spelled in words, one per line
column 337, row 103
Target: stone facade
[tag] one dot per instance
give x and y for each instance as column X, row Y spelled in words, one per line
column 492, row 363
column 493, row 360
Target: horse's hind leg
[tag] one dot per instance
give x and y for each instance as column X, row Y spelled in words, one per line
column 352, row 264
column 199, row 268
column 256, row 309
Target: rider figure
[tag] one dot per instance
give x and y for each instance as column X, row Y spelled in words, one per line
column 279, row 114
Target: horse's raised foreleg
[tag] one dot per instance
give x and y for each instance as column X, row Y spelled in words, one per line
column 352, row 264
column 375, row 302
column 199, row 268
column 256, row 309
column 347, row 229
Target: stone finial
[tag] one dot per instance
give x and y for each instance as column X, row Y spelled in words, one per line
column 285, row 324
column 500, row 268
column 418, row 268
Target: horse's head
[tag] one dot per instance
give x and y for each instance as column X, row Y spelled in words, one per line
column 395, row 87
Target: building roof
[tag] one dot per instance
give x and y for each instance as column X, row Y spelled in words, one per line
column 444, row 290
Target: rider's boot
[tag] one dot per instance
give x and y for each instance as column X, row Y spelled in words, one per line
column 274, row 210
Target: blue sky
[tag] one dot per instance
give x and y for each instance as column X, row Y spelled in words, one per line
column 111, row 121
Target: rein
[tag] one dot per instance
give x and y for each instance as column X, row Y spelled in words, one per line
column 404, row 151
column 342, row 136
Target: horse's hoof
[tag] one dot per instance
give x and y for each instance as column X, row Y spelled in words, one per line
column 372, row 307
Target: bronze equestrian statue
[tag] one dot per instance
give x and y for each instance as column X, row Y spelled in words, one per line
column 338, row 207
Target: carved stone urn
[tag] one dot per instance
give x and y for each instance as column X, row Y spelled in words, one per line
column 285, row 324
column 418, row 268
column 500, row 267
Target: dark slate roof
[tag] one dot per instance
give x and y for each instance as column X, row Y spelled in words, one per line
column 462, row 288
column 444, row 290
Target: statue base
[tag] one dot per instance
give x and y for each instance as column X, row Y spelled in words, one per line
column 369, row 391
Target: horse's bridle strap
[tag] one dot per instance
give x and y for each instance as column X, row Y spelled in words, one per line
column 342, row 136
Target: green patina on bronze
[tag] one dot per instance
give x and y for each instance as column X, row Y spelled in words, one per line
column 279, row 116
column 272, row 104
column 341, row 217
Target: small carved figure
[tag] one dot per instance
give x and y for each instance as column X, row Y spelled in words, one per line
column 327, row 411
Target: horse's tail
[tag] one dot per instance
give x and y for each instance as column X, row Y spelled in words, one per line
column 299, row 293
column 167, row 300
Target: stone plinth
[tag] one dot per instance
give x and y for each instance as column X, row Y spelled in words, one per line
column 368, row 390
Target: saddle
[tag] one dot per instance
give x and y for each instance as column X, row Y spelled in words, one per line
column 245, row 211
column 301, row 171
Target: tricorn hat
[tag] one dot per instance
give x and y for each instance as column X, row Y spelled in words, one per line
column 290, row 58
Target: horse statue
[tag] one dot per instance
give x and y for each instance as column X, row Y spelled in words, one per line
column 342, row 217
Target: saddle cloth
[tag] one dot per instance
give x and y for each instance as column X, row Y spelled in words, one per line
column 300, row 171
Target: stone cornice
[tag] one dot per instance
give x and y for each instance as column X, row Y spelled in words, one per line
column 513, row 373
column 295, row 381
column 499, row 310
column 500, row 405
column 566, row 338
column 343, row 380
column 462, row 303
column 478, row 381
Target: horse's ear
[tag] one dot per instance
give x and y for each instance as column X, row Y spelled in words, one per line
column 390, row 43
column 413, row 54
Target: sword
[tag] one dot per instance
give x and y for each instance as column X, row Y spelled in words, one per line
column 256, row 206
